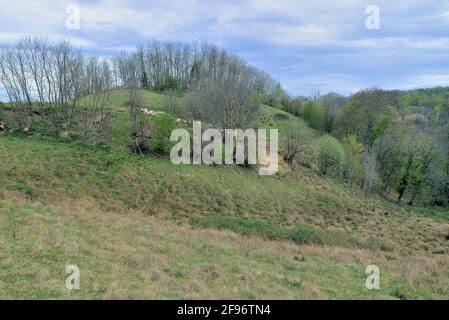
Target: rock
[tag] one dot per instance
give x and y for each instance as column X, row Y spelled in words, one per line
column 152, row 112
column 26, row 130
column 2, row 126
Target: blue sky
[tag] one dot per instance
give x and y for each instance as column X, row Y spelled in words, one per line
column 307, row 45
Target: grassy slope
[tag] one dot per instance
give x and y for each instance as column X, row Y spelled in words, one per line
column 127, row 254
column 124, row 219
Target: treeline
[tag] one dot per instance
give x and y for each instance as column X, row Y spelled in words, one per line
column 392, row 142
column 176, row 66
column 67, row 92
column 55, row 85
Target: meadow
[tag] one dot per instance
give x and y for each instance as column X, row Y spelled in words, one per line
column 140, row 227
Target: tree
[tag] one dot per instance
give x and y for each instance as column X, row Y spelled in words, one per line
column 332, row 103
column 228, row 104
column 389, row 158
column 293, row 142
column 330, row 156
column 364, row 113
column 162, row 127
column 15, row 80
column 442, row 110
column 170, row 104
column 294, row 106
column 367, row 114
column 353, row 155
column 312, row 113
column 421, row 175
column 280, row 97
column 418, row 152
column 177, row 66
column 55, row 84
column 145, row 82
column 140, row 126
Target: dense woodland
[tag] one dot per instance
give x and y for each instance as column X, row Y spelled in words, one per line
column 395, row 143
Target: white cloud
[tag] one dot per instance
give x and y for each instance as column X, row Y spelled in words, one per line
column 11, row 37
column 318, row 38
column 325, row 82
column 401, row 42
column 425, row 80
column 176, row 19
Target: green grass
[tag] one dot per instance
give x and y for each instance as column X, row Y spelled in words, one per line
column 273, row 118
column 269, row 230
column 152, row 100
column 127, row 255
column 142, row 227
column 49, row 171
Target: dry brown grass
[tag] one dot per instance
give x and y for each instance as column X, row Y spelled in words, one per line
column 125, row 254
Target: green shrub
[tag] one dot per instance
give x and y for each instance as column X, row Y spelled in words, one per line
column 304, row 234
column 171, row 83
column 352, row 167
column 330, row 155
column 313, row 114
column 301, row 234
column 162, row 127
column 281, row 116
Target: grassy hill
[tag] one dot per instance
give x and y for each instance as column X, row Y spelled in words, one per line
column 141, row 227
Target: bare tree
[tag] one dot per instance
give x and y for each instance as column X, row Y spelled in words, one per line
column 140, row 126
column 15, row 80
column 227, row 104
column 170, row 104
column 293, row 142
column 176, row 66
column 50, row 81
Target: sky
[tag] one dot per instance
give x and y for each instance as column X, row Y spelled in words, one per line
column 308, row 46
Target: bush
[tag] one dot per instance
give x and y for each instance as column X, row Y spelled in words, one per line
column 281, row 116
column 293, row 142
column 169, row 83
column 172, row 83
column 313, row 114
column 171, row 105
column 140, row 126
column 330, row 155
column 352, row 168
column 301, row 234
column 162, row 127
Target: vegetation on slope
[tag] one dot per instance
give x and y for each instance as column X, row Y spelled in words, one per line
column 127, row 221
column 72, row 190
column 126, row 254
